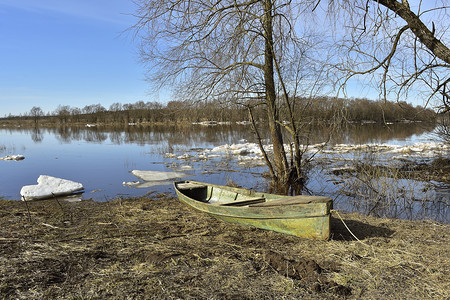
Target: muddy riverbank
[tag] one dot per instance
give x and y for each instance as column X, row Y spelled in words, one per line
column 158, row 248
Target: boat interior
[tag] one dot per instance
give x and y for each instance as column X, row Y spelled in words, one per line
column 218, row 196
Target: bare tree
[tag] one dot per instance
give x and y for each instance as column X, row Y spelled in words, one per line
column 63, row 113
column 443, row 129
column 401, row 46
column 36, row 112
column 115, row 107
column 263, row 53
column 240, row 51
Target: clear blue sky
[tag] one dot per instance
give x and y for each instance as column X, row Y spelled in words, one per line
column 74, row 52
column 67, row 52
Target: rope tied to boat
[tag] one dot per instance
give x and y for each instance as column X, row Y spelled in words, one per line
column 343, row 222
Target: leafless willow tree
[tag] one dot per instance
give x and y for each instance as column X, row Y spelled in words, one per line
column 240, row 51
column 264, row 52
column 443, row 129
column 402, row 46
column 36, row 112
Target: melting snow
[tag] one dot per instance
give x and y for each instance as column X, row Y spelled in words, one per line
column 49, row 187
column 157, row 175
column 13, row 157
column 252, row 149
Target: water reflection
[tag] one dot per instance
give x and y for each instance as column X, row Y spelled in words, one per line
column 379, row 133
column 394, row 197
column 223, row 134
column 37, row 135
column 80, row 154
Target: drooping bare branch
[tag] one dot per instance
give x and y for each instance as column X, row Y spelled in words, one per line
column 395, row 49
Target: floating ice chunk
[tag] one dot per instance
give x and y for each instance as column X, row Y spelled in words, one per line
column 238, row 149
column 146, row 184
column 13, row 157
column 49, row 187
column 220, row 149
column 157, row 175
column 243, row 122
column 417, row 148
column 241, row 151
column 185, row 167
column 206, row 123
column 149, row 184
column 131, row 183
column 202, row 156
column 314, row 148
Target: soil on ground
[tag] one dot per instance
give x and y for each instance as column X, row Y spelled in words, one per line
column 158, row 248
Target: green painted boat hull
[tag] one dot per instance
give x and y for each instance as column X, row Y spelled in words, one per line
column 303, row 216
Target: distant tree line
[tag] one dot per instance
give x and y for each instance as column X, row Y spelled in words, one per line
column 319, row 109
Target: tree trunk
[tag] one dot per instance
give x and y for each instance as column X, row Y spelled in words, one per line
column 259, row 140
column 280, row 160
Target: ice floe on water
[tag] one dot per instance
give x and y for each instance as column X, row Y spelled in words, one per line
column 131, row 183
column 149, row 184
column 157, row 175
column 252, row 152
column 48, row 187
column 430, row 149
column 238, row 149
column 185, row 156
column 16, row 157
column 155, row 178
column 214, row 123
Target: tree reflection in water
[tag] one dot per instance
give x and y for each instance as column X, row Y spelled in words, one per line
column 105, row 167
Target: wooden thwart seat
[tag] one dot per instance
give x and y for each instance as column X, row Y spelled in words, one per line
column 301, row 199
column 244, row 202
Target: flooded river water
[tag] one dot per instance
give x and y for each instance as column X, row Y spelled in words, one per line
column 102, row 160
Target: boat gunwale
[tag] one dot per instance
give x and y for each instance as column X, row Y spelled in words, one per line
column 318, row 209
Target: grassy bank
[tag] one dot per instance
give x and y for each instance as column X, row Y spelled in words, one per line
column 159, row 248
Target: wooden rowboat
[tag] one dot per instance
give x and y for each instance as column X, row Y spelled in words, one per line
column 303, row 216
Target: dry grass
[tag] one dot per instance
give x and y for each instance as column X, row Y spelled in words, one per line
column 403, row 190
column 159, row 248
